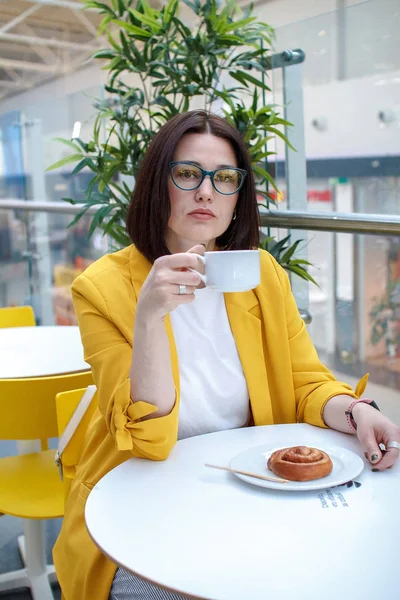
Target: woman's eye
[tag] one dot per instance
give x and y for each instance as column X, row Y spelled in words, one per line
column 188, row 174
column 225, row 177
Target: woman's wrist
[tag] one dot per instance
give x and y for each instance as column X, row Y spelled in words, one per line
column 355, row 409
column 341, row 412
column 334, row 414
column 146, row 320
column 359, row 408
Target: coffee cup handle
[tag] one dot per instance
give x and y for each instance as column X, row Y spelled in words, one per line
column 202, row 277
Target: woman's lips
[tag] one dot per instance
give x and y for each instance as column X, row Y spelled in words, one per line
column 202, row 215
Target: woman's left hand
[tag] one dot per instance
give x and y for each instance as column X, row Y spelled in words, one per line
column 373, row 428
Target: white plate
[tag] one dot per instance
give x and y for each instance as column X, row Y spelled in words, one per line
column 346, row 466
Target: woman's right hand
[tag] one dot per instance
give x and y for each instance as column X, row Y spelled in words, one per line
column 160, row 292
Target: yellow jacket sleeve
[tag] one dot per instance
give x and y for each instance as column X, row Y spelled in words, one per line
column 313, row 383
column 109, row 353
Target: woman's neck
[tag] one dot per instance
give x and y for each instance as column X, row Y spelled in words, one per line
column 181, row 245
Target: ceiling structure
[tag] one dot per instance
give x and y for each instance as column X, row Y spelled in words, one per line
column 43, row 39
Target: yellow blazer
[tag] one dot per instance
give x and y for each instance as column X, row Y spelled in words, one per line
column 285, row 379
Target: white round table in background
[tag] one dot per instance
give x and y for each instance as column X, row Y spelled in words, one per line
column 40, row 352
column 208, row 534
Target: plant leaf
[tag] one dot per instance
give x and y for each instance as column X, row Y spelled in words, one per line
column 239, row 24
column 67, row 143
column 65, row 161
column 106, row 53
column 133, row 29
column 282, row 136
column 150, row 22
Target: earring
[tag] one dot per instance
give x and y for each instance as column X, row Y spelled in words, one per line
column 234, row 215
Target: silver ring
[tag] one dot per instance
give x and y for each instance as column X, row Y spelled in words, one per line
column 393, row 445
column 182, row 290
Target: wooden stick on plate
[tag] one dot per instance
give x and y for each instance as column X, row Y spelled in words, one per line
column 256, row 475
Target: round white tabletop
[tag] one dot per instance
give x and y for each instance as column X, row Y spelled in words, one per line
column 207, row 534
column 40, row 352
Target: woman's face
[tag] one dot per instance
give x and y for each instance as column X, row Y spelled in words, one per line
column 203, row 214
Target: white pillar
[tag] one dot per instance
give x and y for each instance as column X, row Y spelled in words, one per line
column 39, row 234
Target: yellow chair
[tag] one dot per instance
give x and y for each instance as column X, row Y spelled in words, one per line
column 66, row 405
column 17, row 316
column 30, row 486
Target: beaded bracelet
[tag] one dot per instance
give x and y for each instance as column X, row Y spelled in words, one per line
column 349, row 415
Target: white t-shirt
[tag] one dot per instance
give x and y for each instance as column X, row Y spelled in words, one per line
column 214, row 393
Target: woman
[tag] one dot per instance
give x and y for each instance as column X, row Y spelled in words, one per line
column 171, row 359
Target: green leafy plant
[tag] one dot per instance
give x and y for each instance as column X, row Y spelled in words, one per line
column 284, row 253
column 159, row 67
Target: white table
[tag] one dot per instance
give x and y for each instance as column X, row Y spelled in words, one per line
column 206, row 533
column 40, row 352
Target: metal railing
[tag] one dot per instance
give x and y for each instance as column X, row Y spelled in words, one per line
column 363, row 223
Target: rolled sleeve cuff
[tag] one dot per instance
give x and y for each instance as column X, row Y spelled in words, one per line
column 130, row 421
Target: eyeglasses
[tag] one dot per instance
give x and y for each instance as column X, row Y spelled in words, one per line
column 188, row 176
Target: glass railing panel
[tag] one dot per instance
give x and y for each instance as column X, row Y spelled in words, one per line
column 41, row 259
column 356, row 308
column 373, row 195
column 28, row 147
column 350, row 81
column 42, row 123
column 12, row 177
column 53, row 254
column 15, row 280
column 352, row 42
column 370, row 33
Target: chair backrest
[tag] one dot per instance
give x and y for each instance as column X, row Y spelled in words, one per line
column 28, row 406
column 17, row 316
column 66, row 403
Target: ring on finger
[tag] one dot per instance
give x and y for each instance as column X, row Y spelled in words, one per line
column 182, row 290
column 393, row 444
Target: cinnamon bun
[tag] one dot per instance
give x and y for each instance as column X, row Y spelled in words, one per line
column 300, row 463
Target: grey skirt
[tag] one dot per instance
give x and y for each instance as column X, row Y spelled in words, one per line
column 127, row 586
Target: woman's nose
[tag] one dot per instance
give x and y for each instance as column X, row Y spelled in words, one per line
column 205, row 191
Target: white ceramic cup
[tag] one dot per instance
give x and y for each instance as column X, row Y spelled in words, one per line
column 231, row 271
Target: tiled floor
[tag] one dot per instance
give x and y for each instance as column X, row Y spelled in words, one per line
column 387, row 398
column 10, row 529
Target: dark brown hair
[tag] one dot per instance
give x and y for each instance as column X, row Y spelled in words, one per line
column 149, row 210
